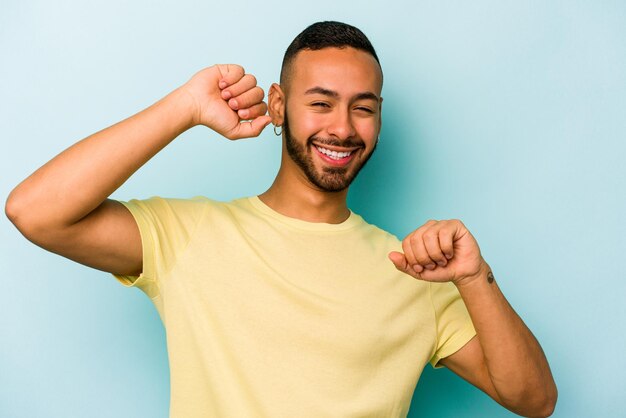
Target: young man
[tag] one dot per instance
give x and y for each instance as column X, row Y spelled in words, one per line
column 287, row 303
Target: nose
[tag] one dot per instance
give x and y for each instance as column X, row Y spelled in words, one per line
column 341, row 125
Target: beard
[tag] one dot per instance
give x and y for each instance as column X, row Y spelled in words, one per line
column 329, row 179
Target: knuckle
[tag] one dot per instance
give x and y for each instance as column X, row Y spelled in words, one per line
column 255, row 95
column 430, row 235
column 260, row 111
column 437, row 256
column 231, row 71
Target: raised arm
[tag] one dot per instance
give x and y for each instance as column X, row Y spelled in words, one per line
column 63, row 206
column 504, row 359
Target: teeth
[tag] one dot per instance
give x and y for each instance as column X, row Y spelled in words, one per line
column 333, row 154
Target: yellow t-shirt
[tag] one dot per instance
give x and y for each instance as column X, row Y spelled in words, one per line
column 270, row 316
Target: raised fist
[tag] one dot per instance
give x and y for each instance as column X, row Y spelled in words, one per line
column 228, row 100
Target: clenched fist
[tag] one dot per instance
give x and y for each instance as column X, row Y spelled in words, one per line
column 228, row 100
column 440, row 251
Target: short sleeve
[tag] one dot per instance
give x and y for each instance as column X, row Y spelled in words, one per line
column 166, row 226
column 454, row 325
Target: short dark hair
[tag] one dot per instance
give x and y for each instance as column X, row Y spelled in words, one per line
column 327, row 34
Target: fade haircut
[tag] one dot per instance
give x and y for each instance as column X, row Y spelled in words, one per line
column 328, row 34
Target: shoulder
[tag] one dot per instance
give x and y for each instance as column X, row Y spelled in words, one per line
column 190, row 203
column 171, row 210
column 171, row 202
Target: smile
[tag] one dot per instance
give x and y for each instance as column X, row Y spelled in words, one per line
column 333, row 154
column 335, row 157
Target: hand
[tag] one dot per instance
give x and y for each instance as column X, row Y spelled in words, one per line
column 224, row 96
column 440, row 251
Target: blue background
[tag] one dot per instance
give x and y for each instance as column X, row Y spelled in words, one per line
column 508, row 115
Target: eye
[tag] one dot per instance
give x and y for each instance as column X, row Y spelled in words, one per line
column 320, row 104
column 364, row 109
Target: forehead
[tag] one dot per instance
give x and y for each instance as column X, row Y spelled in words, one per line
column 344, row 70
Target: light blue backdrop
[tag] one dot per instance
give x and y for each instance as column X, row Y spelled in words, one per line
column 508, row 115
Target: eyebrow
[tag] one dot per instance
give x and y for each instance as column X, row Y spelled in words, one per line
column 366, row 95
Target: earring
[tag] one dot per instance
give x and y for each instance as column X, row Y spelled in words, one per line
column 278, row 133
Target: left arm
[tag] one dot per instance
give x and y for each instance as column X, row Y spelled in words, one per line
column 504, row 359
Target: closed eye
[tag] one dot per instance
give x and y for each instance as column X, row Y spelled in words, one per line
column 320, row 104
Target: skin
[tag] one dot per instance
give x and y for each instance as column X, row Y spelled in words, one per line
column 332, row 98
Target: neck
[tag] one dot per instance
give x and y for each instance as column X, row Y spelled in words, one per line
column 293, row 195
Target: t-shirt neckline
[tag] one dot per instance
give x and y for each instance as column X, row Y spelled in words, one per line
column 352, row 221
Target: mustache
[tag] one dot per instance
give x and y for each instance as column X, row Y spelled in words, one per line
column 348, row 143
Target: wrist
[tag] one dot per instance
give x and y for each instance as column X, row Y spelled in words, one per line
column 186, row 106
column 483, row 274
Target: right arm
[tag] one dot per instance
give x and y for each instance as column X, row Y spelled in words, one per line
column 64, row 206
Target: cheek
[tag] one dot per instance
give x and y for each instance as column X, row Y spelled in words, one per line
column 306, row 125
column 367, row 129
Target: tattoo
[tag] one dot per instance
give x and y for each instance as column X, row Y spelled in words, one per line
column 490, row 277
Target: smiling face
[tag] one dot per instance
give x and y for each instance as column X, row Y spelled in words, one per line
column 331, row 115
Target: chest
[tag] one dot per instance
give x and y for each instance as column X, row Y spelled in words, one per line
column 322, row 293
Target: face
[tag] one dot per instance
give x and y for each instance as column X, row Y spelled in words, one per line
column 332, row 117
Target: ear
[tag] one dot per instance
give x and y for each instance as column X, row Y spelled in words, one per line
column 276, row 104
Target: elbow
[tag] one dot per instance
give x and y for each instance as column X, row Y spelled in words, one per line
column 546, row 402
column 546, row 408
column 32, row 220
column 11, row 208
column 539, row 404
column 14, row 209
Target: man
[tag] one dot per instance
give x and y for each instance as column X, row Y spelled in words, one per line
column 287, row 303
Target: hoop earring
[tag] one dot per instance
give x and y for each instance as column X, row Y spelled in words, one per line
column 278, row 133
